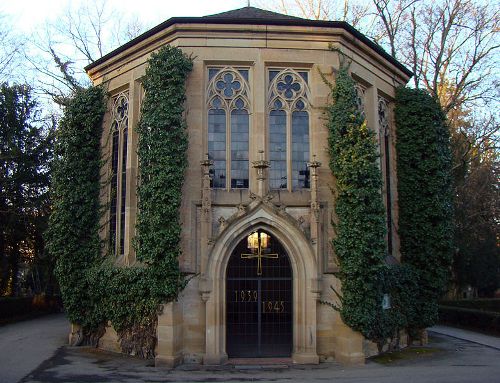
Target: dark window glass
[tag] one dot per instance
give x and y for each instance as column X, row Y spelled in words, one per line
column 212, row 72
column 300, row 150
column 217, row 146
column 239, row 147
column 277, row 149
column 114, row 189
column 124, row 191
column 244, row 73
column 273, row 74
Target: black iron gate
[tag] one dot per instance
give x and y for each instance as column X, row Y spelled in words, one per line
column 259, row 299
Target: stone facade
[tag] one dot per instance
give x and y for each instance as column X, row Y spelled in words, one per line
column 214, row 220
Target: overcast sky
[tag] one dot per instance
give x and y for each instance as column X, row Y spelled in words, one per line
column 28, row 14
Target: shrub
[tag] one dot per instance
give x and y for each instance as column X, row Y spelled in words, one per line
column 469, row 318
column 425, row 199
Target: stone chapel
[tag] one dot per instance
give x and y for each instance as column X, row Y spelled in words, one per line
column 257, row 199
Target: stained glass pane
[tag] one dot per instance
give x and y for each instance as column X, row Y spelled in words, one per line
column 114, row 189
column 300, row 150
column 124, row 191
column 212, row 72
column 304, row 75
column 239, row 149
column 273, row 74
column 217, row 146
column 244, row 73
column 277, row 149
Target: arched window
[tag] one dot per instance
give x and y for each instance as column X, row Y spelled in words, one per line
column 119, row 133
column 288, row 105
column 228, row 122
column 360, row 99
column 384, row 131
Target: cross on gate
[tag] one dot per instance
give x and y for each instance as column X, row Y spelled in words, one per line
column 259, row 257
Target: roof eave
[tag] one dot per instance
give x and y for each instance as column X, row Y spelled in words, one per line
column 252, row 21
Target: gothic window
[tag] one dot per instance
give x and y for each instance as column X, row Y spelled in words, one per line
column 119, row 134
column 384, row 131
column 288, row 104
column 228, row 126
column 360, row 99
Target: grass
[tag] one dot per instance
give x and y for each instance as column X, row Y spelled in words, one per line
column 409, row 353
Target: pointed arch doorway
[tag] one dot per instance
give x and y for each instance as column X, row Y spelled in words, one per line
column 259, row 299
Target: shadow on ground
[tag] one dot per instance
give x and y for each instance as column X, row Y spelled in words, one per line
column 444, row 360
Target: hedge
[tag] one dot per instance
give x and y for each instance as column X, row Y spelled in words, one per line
column 488, row 321
column 475, row 304
column 13, row 308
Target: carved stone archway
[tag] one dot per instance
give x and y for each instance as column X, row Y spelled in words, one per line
column 264, row 216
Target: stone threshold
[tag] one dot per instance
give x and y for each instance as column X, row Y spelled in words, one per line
column 256, row 363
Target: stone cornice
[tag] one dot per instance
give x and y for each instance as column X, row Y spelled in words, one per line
column 261, row 36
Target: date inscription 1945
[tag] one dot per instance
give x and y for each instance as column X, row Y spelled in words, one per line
column 268, row 307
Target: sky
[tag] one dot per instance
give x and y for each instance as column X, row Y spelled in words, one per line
column 27, row 15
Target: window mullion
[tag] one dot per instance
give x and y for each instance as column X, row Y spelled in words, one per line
column 228, row 148
column 289, row 150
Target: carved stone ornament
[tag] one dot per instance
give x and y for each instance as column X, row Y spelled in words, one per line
column 242, row 210
column 222, row 224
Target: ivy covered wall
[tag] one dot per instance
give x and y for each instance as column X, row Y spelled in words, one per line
column 423, row 170
column 96, row 291
column 425, row 199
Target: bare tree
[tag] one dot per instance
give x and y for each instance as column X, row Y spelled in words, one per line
column 11, row 46
column 393, row 15
column 78, row 37
column 352, row 11
column 453, row 49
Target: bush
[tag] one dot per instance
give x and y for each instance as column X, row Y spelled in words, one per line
column 95, row 290
column 469, row 318
column 424, row 197
column 360, row 215
column 13, row 308
column 476, row 304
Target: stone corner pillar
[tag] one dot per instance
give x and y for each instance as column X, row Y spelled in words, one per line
column 305, row 358
column 169, row 335
column 206, row 212
column 75, row 336
column 349, row 349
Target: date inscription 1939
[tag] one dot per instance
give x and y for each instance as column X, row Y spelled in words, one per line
column 268, row 307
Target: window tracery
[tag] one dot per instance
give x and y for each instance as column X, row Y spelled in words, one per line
column 360, row 99
column 228, row 121
column 383, row 116
column 384, row 131
column 119, row 133
column 288, row 104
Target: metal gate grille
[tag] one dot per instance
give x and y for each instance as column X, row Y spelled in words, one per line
column 259, row 303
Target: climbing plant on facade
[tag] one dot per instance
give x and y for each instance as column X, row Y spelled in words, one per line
column 94, row 289
column 360, row 217
column 425, row 199
column 73, row 234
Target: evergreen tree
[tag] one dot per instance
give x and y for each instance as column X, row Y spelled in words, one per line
column 25, row 154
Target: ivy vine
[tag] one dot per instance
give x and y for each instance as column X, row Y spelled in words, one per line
column 360, row 217
column 425, row 197
column 73, row 232
column 360, row 226
column 95, row 291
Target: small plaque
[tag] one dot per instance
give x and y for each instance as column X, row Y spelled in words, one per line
column 386, row 302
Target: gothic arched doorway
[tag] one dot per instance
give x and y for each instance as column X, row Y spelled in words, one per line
column 259, row 299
